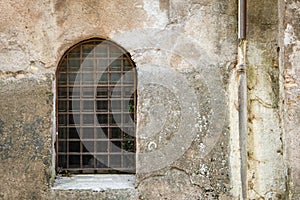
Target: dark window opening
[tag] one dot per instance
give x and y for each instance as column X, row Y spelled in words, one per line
column 96, row 109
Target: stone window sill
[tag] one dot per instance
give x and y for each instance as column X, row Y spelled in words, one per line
column 95, row 182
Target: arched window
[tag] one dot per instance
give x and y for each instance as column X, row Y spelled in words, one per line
column 96, row 109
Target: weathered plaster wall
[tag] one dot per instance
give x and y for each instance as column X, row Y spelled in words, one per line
column 290, row 55
column 266, row 174
column 184, row 52
column 25, row 148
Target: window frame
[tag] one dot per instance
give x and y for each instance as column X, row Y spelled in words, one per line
column 125, row 56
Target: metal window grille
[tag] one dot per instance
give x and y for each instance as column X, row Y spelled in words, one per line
column 96, row 109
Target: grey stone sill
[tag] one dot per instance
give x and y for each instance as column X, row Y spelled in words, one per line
column 95, row 182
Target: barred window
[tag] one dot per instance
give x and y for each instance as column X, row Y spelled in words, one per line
column 96, row 109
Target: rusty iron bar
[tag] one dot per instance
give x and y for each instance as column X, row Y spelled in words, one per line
column 70, row 147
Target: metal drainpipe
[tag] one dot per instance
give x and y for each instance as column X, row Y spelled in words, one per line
column 242, row 94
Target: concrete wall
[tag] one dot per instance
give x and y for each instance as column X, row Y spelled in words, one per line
column 185, row 52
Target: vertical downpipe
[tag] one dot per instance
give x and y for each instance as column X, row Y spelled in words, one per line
column 242, row 93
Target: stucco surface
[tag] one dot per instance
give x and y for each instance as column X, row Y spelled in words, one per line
column 182, row 67
column 185, row 52
column 266, row 174
column 291, row 85
column 25, row 148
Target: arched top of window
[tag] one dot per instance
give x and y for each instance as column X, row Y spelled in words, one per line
column 95, row 48
column 96, row 109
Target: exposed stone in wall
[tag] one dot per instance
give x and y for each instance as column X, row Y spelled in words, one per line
column 291, row 84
